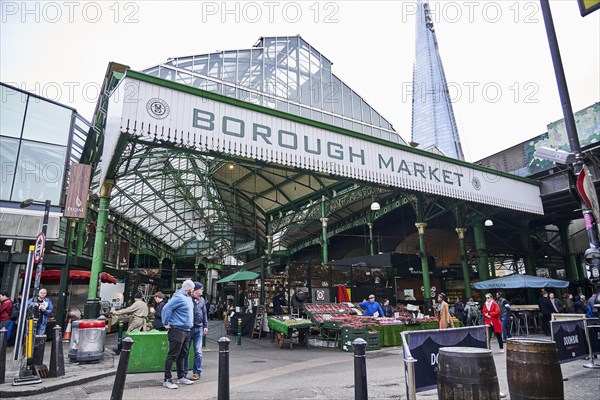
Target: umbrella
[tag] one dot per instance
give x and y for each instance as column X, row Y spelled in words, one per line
column 239, row 276
column 517, row 281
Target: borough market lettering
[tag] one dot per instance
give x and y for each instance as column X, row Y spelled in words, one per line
column 236, row 127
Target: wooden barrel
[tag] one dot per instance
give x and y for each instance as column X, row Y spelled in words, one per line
column 467, row 373
column 533, row 369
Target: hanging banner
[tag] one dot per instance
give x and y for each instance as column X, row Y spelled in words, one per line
column 424, row 347
column 77, row 193
column 570, row 339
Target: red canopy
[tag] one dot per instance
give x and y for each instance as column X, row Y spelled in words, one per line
column 53, row 276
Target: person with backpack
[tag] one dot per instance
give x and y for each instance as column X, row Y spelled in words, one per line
column 472, row 312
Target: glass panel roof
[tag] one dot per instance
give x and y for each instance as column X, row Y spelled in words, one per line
column 285, row 68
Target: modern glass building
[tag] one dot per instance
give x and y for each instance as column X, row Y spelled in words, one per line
column 433, row 123
column 284, row 73
column 39, row 139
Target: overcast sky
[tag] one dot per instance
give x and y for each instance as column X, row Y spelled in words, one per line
column 495, row 53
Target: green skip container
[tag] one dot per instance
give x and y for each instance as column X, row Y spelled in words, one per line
column 149, row 352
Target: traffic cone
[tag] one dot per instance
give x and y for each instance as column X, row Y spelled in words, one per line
column 67, row 335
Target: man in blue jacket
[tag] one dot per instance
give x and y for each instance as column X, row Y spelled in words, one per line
column 371, row 307
column 42, row 308
column 178, row 318
column 199, row 329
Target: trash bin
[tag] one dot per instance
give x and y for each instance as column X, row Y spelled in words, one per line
column 150, row 352
column 92, row 335
column 74, row 339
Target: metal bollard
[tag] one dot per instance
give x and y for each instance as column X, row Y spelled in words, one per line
column 39, row 347
column 120, row 336
column 57, row 356
column 119, row 385
column 360, row 369
column 239, row 332
column 3, row 339
column 223, row 388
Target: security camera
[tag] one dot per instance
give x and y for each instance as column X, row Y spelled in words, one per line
column 555, row 155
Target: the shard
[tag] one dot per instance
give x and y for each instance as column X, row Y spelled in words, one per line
column 433, row 123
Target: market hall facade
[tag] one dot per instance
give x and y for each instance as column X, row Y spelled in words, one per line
column 201, row 160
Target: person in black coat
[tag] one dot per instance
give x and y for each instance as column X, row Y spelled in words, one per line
column 546, row 309
column 157, row 324
column 278, row 301
column 578, row 304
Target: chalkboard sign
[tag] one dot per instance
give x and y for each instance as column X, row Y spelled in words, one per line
column 258, row 321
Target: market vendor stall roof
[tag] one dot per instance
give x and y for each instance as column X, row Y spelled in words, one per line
column 239, row 276
column 517, row 281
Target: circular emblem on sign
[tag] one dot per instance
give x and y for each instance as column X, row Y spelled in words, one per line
column 476, row 183
column 158, row 108
column 320, row 295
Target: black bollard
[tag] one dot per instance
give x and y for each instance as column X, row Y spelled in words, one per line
column 239, row 332
column 39, row 347
column 57, row 356
column 360, row 369
column 3, row 338
column 223, row 389
column 119, row 385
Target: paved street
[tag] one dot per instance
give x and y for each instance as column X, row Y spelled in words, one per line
column 261, row 371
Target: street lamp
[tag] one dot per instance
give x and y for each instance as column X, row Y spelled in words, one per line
column 40, row 243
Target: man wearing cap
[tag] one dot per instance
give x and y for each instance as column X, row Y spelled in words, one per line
column 138, row 312
column 159, row 304
column 178, row 317
column 371, row 307
column 200, row 328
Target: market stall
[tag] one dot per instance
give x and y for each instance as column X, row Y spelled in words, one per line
column 293, row 329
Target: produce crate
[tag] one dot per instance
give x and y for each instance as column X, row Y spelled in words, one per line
column 350, row 334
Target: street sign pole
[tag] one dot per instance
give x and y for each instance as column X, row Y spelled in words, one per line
column 40, row 264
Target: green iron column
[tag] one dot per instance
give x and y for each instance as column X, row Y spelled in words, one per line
column 64, row 275
column 528, row 258
column 370, row 225
column 492, row 261
column 425, row 267
column 269, row 254
column 173, row 276
column 92, row 306
column 463, row 260
column 80, row 238
column 483, row 266
column 137, row 252
column 324, row 220
column 572, row 270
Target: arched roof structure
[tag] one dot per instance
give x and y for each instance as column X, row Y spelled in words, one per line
column 201, row 150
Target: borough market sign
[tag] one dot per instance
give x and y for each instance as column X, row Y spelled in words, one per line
column 165, row 110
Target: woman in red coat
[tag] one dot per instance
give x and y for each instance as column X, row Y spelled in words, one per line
column 491, row 313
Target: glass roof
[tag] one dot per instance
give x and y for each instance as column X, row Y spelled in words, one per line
column 187, row 199
column 284, row 73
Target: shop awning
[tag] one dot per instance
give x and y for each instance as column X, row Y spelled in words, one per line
column 517, row 281
column 239, row 277
column 75, row 276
